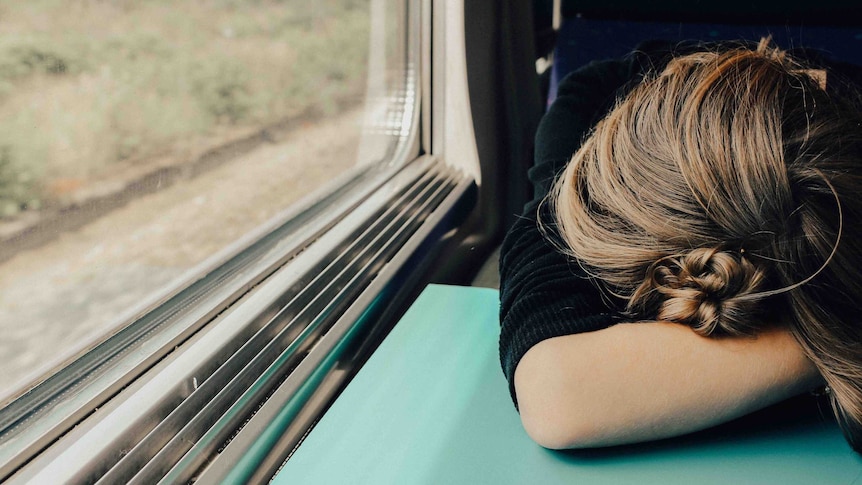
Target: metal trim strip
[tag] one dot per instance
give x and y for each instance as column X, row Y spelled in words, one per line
column 264, row 442
column 301, row 313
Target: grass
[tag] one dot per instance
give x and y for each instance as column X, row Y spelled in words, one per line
column 87, row 85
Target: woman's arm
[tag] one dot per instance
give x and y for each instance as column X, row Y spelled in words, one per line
column 651, row 380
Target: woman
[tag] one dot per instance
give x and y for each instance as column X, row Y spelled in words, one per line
column 715, row 198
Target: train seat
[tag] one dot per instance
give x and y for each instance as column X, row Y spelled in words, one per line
column 581, row 40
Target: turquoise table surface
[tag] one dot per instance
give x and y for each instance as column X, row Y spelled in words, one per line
column 431, row 406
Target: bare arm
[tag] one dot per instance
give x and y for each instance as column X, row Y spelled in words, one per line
column 651, row 380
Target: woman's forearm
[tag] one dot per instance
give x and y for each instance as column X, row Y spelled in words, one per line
column 651, row 380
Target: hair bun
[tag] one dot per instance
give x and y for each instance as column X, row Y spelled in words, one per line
column 709, row 289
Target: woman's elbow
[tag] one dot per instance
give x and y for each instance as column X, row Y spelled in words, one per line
column 556, row 436
column 549, row 413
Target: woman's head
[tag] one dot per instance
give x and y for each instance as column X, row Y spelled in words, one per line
column 725, row 192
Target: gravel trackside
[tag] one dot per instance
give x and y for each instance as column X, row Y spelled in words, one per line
column 77, row 284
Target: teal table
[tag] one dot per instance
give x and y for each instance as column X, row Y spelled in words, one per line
column 431, row 406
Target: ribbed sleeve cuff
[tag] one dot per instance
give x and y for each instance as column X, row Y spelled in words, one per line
column 523, row 328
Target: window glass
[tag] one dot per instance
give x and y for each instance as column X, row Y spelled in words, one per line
column 139, row 138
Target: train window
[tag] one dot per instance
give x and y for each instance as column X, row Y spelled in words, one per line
column 140, row 139
column 198, row 203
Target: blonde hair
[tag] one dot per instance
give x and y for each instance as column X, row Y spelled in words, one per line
column 725, row 193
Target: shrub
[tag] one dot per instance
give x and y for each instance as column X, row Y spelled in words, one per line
column 17, row 191
column 92, row 84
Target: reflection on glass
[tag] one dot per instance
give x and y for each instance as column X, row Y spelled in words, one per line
column 139, row 138
column 391, row 82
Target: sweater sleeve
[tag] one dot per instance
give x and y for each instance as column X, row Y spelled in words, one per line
column 544, row 294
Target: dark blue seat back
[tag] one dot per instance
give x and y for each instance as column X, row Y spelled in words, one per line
column 582, row 40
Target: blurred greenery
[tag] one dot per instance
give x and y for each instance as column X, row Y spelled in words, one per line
column 88, row 84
